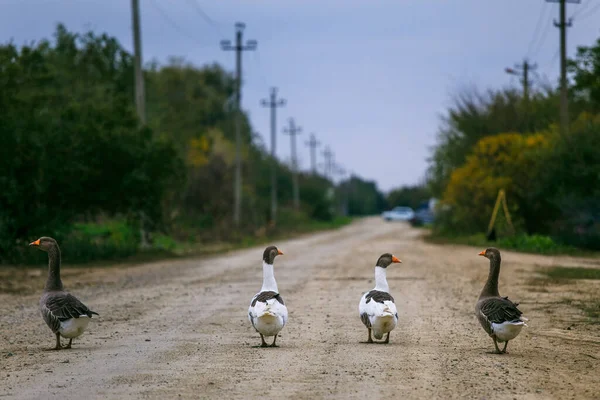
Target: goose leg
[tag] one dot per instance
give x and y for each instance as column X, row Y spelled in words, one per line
column 263, row 344
column 58, row 346
column 505, row 345
column 370, row 340
column 496, row 345
column 274, row 339
column 69, row 345
column 387, row 338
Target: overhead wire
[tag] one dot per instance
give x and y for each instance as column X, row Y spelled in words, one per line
column 581, row 9
column 196, row 6
column 175, row 25
column 536, row 30
column 590, row 13
column 542, row 38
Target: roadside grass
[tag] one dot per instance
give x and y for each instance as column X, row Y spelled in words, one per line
column 533, row 244
column 562, row 273
column 116, row 241
column 552, row 277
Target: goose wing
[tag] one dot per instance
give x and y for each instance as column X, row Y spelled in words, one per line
column 499, row 309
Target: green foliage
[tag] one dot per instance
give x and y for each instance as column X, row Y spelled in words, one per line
column 72, row 147
column 585, row 70
column 475, row 115
column 73, row 152
column 571, row 272
column 570, row 178
column 505, row 161
column 539, row 244
column 362, row 197
column 552, row 181
column 409, row 196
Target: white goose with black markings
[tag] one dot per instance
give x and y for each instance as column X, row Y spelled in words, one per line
column 377, row 309
column 267, row 312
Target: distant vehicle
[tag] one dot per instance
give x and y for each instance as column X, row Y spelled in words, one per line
column 424, row 214
column 398, row 214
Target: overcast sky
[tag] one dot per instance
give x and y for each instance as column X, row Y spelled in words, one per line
column 370, row 78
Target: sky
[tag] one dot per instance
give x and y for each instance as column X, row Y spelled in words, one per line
column 369, row 78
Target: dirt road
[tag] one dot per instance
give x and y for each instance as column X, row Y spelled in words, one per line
column 178, row 329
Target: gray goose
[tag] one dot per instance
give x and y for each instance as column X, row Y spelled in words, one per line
column 64, row 313
column 498, row 316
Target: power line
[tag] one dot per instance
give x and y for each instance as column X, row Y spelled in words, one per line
column 238, row 48
column 174, row 24
column 260, row 68
column 590, row 13
column 542, row 39
column 581, row 9
column 537, row 28
column 205, row 16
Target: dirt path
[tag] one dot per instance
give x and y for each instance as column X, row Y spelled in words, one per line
column 179, row 328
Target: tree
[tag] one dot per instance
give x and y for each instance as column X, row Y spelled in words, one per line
column 476, row 115
column 364, row 198
column 410, row 196
column 72, row 145
column 506, row 161
column 585, row 72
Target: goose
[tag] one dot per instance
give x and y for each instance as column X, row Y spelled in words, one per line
column 376, row 308
column 64, row 314
column 498, row 316
column 267, row 312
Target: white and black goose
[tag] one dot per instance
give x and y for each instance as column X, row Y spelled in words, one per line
column 63, row 313
column 376, row 308
column 499, row 317
column 267, row 312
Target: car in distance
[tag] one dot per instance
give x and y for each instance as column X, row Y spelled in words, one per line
column 398, row 214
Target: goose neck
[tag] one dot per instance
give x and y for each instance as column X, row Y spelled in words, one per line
column 381, row 283
column 269, row 283
column 53, row 282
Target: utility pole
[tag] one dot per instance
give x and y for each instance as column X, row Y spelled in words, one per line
column 563, row 25
column 523, row 71
column 273, row 103
column 342, row 191
column 294, row 130
column 140, row 98
column 313, row 143
column 140, row 95
column 328, row 161
column 238, row 48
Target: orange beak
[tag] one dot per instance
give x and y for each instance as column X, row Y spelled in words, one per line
column 279, row 252
column 482, row 253
column 395, row 260
column 36, row 243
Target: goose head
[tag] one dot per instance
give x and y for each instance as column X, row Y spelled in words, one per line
column 386, row 259
column 270, row 253
column 491, row 253
column 44, row 243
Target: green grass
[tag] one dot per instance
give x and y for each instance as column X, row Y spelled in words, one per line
column 115, row 240
column 571, row 273
column 592, row 310
column 537, row 244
